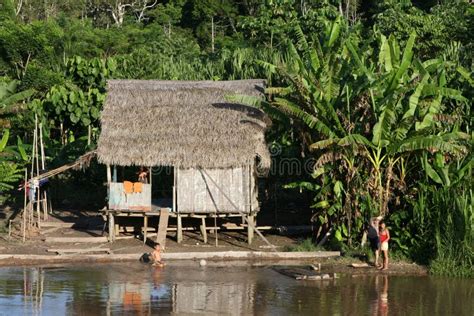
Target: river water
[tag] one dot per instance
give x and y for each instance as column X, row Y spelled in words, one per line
column 117, row 289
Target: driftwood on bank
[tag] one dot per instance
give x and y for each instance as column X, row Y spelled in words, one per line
column 360, row 265
column 298, row 273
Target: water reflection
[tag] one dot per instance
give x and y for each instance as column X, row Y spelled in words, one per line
column 142, row 290
column 380, row 305
column 33, row 280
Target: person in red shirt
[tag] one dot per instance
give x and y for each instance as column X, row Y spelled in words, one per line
column 384, row 236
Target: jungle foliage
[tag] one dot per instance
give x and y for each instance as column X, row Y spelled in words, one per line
column 377, row 93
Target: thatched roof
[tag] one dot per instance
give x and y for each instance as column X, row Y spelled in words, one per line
column 188, row 124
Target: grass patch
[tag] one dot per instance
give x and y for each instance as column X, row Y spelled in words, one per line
column 453, row 260
column 304, row 245
column 452, row 268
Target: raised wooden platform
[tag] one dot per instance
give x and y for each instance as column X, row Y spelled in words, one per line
column 114, row 229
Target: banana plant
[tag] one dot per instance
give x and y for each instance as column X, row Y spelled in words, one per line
column 364, row 116
column 314, row 71
column 406, row 96
column 10, row 100
column 10, row 172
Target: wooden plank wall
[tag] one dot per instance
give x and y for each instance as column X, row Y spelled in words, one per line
column 196, row 193
column 118, row 200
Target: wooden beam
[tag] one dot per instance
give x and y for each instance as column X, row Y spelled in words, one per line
column 111, row 227
column 203, row 230
column 58, row 224
column 179, row 231
column 250, row 226
column 109, row 175
column 162, row 229
column 145, row 228
column 114, row 175
column 175, row 186
column 76, row 239
column 77, row 250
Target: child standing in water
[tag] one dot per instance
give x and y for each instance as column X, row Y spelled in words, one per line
column 156, row 256
column 384, row 236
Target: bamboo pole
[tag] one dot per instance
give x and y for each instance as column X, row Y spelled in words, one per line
column 45, row 195
column 24, row 205
column 36, row 158
column 41, row 145
column 33, row 155
column 250, row 216
column 89, row 135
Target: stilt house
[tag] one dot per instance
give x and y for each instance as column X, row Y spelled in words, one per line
column 212, row 144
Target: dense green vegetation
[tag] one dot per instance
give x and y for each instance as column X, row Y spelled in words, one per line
column 378, row 93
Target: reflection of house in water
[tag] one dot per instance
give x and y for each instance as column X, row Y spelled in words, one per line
column 226, row 295
column 132, row 291
column 130, row 296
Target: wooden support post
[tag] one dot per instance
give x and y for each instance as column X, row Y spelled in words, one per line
column 117, row 229
column 109, row 174
column 175, row 180
column 251, row 224
column 203, row 230
column 145, row 227
column 109, row 180
column 111, row 228
column 114, row 176
column 179, row 231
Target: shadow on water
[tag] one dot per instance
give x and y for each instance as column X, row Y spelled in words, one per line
column 101, row 289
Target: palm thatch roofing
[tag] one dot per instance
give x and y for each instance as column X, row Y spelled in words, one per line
column 187, row 124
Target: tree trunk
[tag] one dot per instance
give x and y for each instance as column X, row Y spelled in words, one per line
column 212, row 34
column 118, row 12
column 19, row 5
column 145, row 6
column 386, row 196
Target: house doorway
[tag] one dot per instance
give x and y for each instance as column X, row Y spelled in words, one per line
column 162, row 179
